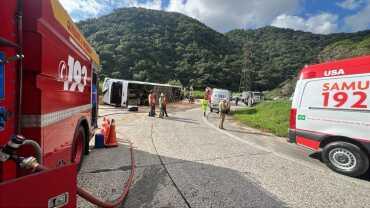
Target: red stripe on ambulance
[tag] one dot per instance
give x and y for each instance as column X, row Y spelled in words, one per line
column 358, row 65
column 312, row 144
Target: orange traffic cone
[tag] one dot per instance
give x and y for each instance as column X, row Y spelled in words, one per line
column 104, row 126
column 112, row 137
column 105, row 129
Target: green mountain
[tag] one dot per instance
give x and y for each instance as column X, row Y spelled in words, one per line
column 346, row 48
column 157, row 46
column 279, row 54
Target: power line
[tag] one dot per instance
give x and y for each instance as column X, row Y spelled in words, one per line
column 246, row 79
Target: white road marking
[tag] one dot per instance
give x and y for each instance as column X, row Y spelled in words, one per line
column 256, row 146
column 318, row 168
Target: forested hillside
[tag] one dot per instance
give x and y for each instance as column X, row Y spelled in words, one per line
column 346, row 48
column 157, row 46
column 276, row 55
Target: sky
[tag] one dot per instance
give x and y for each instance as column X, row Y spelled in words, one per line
column 316, row 16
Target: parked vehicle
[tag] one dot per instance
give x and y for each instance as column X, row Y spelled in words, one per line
column 258, row 97
column 330, row 111
column 217, row 96
column 250, row 98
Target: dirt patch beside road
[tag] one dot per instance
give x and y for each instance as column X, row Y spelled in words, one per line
column 172, row 107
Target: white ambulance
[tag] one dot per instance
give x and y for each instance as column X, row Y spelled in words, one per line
column 331, row 112
column 217, row 96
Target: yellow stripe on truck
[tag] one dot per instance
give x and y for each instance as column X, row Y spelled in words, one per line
column 65, row 20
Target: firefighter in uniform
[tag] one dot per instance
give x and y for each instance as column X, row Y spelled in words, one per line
column 152, row 100
column 223, row 108
column 163, row 106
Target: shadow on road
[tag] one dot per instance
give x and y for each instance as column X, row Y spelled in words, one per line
column 203, row 185
column 181, row 119
column 316, row 156
column 178, row 182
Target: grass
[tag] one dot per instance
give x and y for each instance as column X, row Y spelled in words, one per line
column 270, row 116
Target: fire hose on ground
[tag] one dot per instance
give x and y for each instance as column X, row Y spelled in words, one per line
column 35, row 165
column 89, row 197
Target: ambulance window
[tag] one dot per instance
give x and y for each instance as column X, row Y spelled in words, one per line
column 311, row 94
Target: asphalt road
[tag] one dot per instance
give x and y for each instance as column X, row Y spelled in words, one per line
column 185, row 161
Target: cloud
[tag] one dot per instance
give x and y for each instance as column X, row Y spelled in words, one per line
column 350, row 4
column 323, row 23
column 83, row 9
column 153, row 4
column 360, row 20
column 224, row 15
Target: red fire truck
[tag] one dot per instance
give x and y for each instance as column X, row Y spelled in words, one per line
column 48, row 106
column 47, row 74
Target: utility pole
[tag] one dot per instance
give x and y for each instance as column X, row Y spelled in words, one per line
column 246, row 79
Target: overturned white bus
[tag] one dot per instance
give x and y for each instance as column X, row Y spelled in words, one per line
column 124, row 93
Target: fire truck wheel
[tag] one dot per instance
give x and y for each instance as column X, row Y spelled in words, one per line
column 78, row 147
column 345, row 158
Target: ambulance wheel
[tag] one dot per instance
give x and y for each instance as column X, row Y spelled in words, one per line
column 78, row 147
column 211, row 109
column 345, row 158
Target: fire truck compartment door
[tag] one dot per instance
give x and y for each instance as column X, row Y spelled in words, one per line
column 49, row 189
